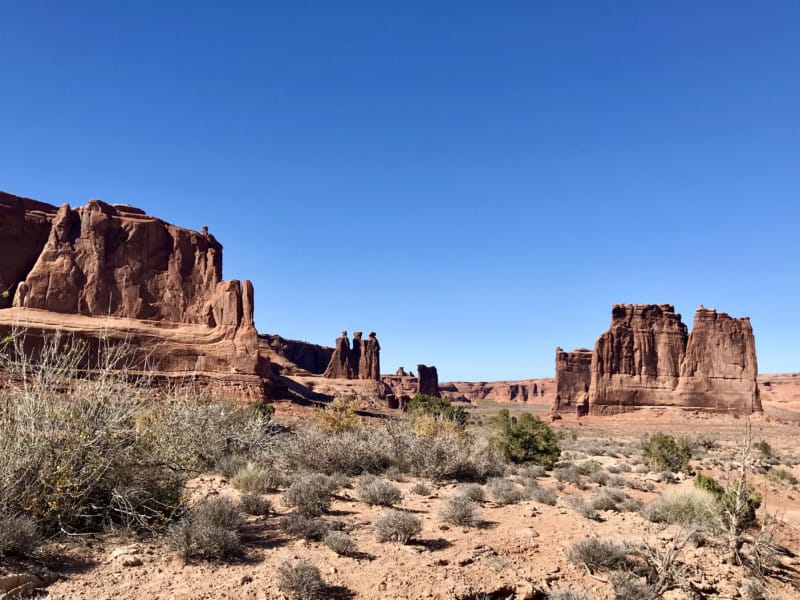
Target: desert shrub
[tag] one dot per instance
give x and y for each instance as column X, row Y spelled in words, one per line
column 80, row 453
column 228, row 465
column 600, row 478
column 569, row 474
column 309, row 494
column 504, row 491
column 473, row 491
column 300, row 579
column 580, row 506
column 525, row 440
column 19, row 535
column 341, row 543
column 764, row 449
column 695, row 509
column 736, row 504
column 253, row 504
column 662, row 452
column 301, row 526
column 460, row 510
column 542, row 495
column 420, row 489
column 781, row 475
column 589, row 467
column 615, row 500
column 753, row 589
column 350, row 451
column 374, row 491
column 209, row 530
column 568, row 594
column 599, row 554
column 627, row 586
column 339, row 415
column 256, row 480
column 396, row 526
column 431, row 406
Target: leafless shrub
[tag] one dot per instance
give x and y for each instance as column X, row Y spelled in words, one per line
column 504, row 491
column 309, row 494
column 628, row 586
column 348, row 451
column 569, row 594
column 460, row 510
column 341, row 543
column 307, row 528
column 19, row 535
column 300, row 579
column 569, row 474
column 576, row 503
column 209, row 530
column 615, row 500
column 599, row 554
column 396, row 526
column 374, row 491
column 253, row 504
column 599, row 477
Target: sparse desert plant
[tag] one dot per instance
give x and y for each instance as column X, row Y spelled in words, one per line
column 460, row 510
column 19, row 535
column 375, row 491
column 691, row 508
column 422, row 404
column 580, row 506
column 396, row 526
column 599, row 477
column 504, row 491
column 309, row 494
column 627, row 586
column 228, row 465
column 300, row 579
column 253, row 504
column 253, row 479
column 473, row 491
column 615, row 500
column 209, row 530
column 569, row 474
column 420, row 489
column 525, row 439
column 542, row 495
column 340, row 542
column 340, row 415
column 781, row 475
column 764, row 449
column 753, row 589
column 568, row 594
column 307, row 528
column 599, row 554
column 662, row 452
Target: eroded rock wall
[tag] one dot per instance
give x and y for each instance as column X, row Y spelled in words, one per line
column 428, row 379
column 573, row 379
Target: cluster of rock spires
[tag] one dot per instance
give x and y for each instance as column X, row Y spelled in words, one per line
column 362, row 361
column 648, row 358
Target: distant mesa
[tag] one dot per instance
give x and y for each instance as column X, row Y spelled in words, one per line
column 648, row 358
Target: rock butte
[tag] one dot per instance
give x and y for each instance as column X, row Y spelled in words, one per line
column 648, row 358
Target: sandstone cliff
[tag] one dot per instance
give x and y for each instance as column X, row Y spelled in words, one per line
column 573, row 378
column 362, row 361
column 428, row 381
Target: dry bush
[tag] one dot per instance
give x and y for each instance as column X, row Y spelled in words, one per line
column 341, row 543
column 615, row 500
column 228, row 465
column 300, row 579
column 781, row 475
column 307, row 528
column 599, row 554
column 19, row 535
column 420, row 489
column 396, row 526
column 340, row 415
column 460, row 510
column 254, row 479
column 310, row 494
column 569, row 474
column 628, row 586
column 577, row 503
column 374, row 491
column 542, row 495
column 209, row 530
column 473, row 491
column 569, row 594
column 253, row 504
column 690, row 508
column 504, row 491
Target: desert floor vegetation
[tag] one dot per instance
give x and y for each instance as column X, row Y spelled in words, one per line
column 104, row 477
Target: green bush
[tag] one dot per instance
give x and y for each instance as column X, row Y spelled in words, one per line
column 525, row 440
column 422, row 404
column 662, row 452
column 736, row 505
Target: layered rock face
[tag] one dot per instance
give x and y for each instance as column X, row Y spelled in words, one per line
column 112, row 271
column 573, row 378
column 362, row 361
column 647, row 358
column 428, row 381
column 311, row 358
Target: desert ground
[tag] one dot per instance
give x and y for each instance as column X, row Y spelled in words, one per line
column 521, row 544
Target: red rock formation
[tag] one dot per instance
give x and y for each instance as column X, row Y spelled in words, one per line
column 370, row 359
column 573, row 378
column 340, row 367
column 719, row 369
column 428, row 381
column 358, row 356
column 311, row 358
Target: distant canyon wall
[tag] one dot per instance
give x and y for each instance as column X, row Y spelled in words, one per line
column 648, row 358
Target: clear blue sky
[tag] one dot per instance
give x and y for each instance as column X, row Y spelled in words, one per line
column 478, row 182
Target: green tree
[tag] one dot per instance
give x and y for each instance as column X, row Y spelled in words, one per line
column 441, row 408
column 526, row 439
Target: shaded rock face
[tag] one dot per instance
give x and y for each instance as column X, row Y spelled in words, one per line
column 94, row 268
column 647, row 358
column 362, row 361
column 573, row 378
column 428, row 381
column 310, row 357
column 104, row 260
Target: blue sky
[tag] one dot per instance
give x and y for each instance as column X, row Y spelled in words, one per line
column 478, row 182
